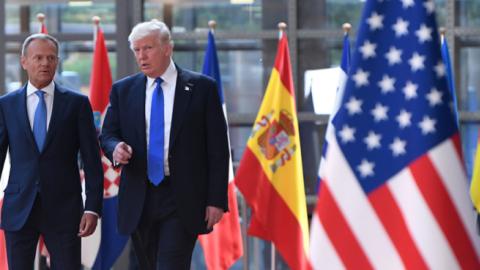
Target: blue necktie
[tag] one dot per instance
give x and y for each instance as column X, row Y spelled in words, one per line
column 156, row 137
column 40, row 121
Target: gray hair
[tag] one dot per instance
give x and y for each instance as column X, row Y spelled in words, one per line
column 153, row 27
column 41, row 36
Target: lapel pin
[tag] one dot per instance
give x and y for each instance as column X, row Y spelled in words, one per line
column 187, row 87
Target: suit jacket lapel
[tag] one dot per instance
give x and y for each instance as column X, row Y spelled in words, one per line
column 59, row 103
column 136, row 99
column 22, row 115
column 183, row 93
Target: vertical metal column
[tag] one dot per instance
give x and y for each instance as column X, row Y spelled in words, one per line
column 293, row 44
column 128, row 13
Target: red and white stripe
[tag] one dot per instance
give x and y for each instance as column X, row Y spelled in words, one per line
column 421, row 219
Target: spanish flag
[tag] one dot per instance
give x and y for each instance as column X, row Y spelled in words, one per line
column 475, row 184
column 270, row 174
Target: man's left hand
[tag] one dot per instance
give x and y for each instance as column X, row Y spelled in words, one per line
column 213, row 215
column 87, row 224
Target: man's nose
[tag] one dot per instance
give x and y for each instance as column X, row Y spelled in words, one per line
column 142, row 54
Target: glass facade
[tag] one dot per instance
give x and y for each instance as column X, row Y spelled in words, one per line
column 246, row 34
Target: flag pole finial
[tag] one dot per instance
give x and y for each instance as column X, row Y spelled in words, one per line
column 41, row 17
column 96, row 20
column 442, row 30
column 212, row 24
column 282, row 28
column 346, row 27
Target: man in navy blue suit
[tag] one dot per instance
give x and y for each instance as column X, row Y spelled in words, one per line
column 166, row 127
column 44, row 126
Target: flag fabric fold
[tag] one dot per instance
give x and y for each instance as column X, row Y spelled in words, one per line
column 3, row 184
column 315, row 240
column 43, row 28
column 223, row 246
column 344, row 67
column 101, row 250
column 394, row 194
column 448, row 71
column 270, row 174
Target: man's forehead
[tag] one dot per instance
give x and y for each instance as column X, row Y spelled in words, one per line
column 147, row 40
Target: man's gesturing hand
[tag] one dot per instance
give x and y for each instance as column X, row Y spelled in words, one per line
column 122, row 153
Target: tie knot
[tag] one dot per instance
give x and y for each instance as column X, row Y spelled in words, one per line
column 40, row 93
column 158, row 80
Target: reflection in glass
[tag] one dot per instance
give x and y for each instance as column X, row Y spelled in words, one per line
column 247, row 16
column 329, row 14
column 469, row 13
column 12, row 71
column 64, row 17
column 76, row 64
column 241, row 71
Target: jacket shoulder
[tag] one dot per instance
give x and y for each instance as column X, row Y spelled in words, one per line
column 129, row 80
column 11, row 95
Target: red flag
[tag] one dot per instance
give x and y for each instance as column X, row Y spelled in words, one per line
column 101, row 250
column 101, row 78
column 270, row 174
column 41, row 19
column 43, row 28
column 223, row 246
column 3, row 249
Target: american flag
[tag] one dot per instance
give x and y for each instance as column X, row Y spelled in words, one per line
column 395, row 193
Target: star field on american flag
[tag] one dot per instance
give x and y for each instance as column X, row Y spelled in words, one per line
column 396, row 105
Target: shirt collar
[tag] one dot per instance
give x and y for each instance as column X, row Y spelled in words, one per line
column 168, row 76
column 49, row 89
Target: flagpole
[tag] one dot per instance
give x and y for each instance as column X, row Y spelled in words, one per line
column 282, row 28
column 96, row 24
column 212, row 25
column 41, row 20
column 346, row 28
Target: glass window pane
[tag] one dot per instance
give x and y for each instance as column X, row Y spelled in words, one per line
column 69, row 18
column 13, row 68
column 468, row 13
column 245, row 15
column 76, row 65
column 243, row 69
column 74, row 69
column 441, row 12
column 469, row 99
column 329, row 14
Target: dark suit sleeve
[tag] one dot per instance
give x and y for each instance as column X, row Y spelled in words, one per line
column 3, row 140
column 90, row 153
column 110, row 135
column 217, row 150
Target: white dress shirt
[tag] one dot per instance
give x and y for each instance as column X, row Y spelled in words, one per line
column 169, row 78
column 32, row 101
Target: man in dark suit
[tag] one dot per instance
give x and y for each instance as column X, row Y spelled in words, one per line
column 44, row 126
column 166, row 126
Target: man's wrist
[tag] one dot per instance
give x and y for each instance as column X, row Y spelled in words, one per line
column 91, row 212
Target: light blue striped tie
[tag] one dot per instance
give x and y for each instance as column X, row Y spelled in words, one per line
column 156, row 136
column 40, row 121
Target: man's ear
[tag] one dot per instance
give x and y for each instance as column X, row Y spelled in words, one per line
column 169, row 50
column 23, row 60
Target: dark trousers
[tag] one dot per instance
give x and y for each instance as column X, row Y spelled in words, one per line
column 64, row 248
column 161, row 240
